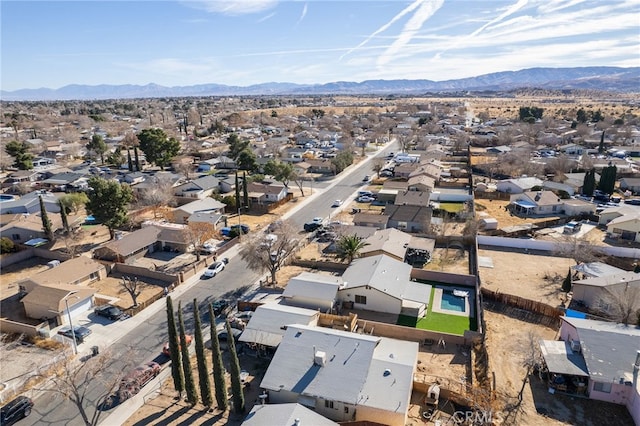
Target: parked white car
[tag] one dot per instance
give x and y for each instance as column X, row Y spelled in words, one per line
column 213, row 270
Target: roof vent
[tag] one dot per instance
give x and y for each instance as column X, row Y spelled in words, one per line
column 297, row 422
column 320, row 358
column 387, row 372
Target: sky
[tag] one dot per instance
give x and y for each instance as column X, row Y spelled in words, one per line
column 243, row 42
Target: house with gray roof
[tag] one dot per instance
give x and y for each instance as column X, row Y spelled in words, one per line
column 206, row 205
column 30, row 203
column 199, row 188
column 599, row 293
column 390, row 241
column 413, row 198
column 312, row 291
column 343, row 376
column 536, row 203
column 383, row 284
column 292, row 414
column 409, row 218
column 131, row 246
column 630, row 184
column 599, row 360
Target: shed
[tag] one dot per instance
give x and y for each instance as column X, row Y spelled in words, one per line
column 488, row 223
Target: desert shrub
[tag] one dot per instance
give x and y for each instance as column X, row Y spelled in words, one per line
column 6, row 245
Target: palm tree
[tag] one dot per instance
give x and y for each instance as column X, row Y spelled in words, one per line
column 349, row 247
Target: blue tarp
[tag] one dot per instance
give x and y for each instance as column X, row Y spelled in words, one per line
column 575, row 314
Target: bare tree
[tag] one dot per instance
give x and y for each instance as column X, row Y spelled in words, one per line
column 198, row 233
column 578, row 249
column 621, row 303
column 268, row 252
column 78, row 382
column 184, row 168
column 158, row 195
column 377, row 165
column 132, row 286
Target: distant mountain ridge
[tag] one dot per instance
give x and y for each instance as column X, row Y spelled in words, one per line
column 613, row 79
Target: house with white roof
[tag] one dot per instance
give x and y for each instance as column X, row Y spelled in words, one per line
column 610, row 213
column 625, row 227
column 343, row 376
column 519, row 185
column 269, row 322
column 536, row 203
column 313, row 291
column 383, row 284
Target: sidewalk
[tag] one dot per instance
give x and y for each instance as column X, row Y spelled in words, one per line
column 123, row 411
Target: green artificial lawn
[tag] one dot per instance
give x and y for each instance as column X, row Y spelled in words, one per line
column 452, row 207
column 452, row 324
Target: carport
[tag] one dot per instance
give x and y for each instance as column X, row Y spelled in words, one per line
column 522, row 207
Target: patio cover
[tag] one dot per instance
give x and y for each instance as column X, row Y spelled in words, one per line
column 561, row 359
column 525, row 204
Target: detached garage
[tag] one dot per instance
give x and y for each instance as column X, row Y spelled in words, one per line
column 48, row 302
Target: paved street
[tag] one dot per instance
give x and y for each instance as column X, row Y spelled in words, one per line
column 140, row 338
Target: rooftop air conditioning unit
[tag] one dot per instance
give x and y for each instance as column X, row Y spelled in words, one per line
column 320, row 358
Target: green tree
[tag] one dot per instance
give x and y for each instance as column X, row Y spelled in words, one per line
column 282, row 172
column 98, row 146
column 234, row 371
column 63, row 216
column 589, row 182
column 581, row 116
column 216, row 361
column 608, row 179
column 237, row 188
column 597, row 116
column 236, row 146
column 116, row 158
column 203, row 370
column 174, row 349
column 349, row 247
column 601, row 145
column 158, row 148
column 129, row 160
column 566, row 284
column 6, row 245
column 245, row 191
column 108, row 202
column 74, row 202
column 46, row 222
column 137, row 158
column 246, row 160
column 341, row 161
column 20, row 152
column 189, row 383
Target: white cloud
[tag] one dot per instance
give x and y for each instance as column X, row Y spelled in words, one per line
column 304, row 13
column 232, row 7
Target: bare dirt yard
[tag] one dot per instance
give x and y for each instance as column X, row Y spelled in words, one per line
column 508, row 340
column 532, row 276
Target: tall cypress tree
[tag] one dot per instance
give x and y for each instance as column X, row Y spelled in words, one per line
column 218, row 366
column 234, row 367
column 238, row 202
column 566, row 284
column 589, row 182
column 63, row 216
column 129, row 160
column 174, row 349
column 245, row 190
column 46, row 223
column 203, row 371
column 135, row 155
column 189, row 383
column 601, row 145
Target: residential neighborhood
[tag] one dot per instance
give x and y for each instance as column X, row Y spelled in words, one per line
column 355, row 260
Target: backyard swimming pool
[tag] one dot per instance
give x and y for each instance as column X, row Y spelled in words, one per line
column 451, row 302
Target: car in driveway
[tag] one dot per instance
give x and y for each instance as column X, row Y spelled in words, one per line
column 219, row 306
column 167, row 350
column 80, row 333
column 214, row 269
column 17, row 409
column 312, row 226
column 223, row 336
column 110, row 311
column 365, row 199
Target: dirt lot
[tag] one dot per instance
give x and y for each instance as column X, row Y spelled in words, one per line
column 531, row 276
column 496, row 210
column 507, row 340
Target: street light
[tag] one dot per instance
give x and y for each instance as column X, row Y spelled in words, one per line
column 73, row 332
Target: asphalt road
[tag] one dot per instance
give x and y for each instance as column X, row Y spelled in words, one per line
column 145, row 342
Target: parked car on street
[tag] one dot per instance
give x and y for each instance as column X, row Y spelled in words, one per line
column 312, row 226
column 110, row 311
column 213, row 269
column 135, row 380
column 79, row 332
column 16, row 409
column 219, row 306
column 336, row 203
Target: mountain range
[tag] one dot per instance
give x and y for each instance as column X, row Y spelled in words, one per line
column 611, row 79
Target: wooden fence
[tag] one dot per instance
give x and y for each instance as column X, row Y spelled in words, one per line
column 266, row 208
column 527, row 310
column 137, row 309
